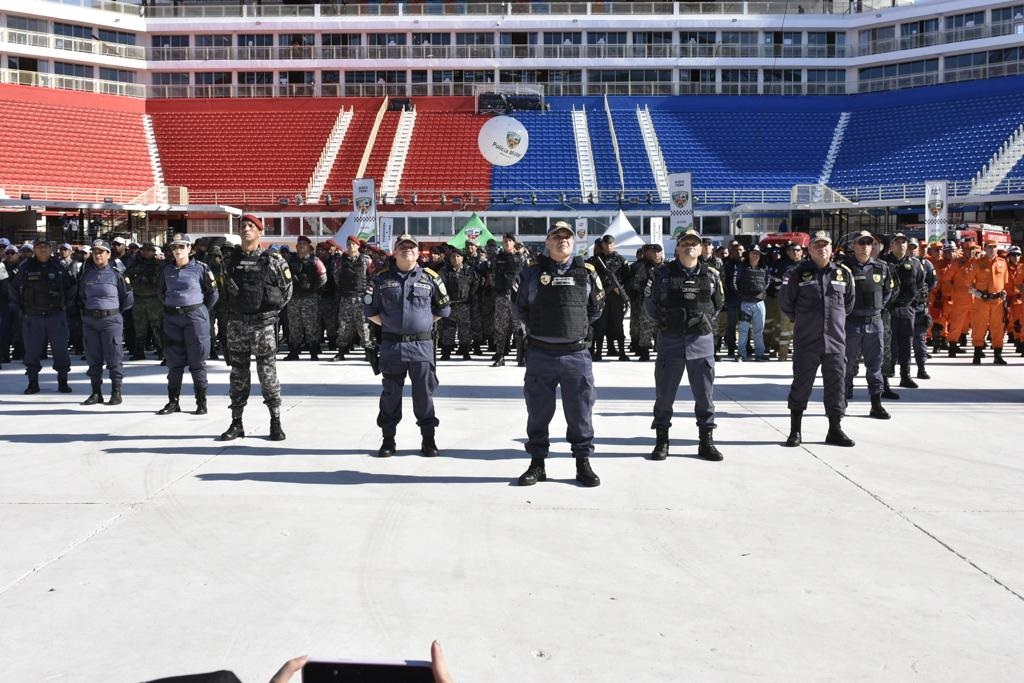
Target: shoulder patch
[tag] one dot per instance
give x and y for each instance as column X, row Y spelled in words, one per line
column 590, row 267
column 429, row 271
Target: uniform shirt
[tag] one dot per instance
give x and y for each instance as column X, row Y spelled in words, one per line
column 526, row 292
column 818, row 301
column 990, row 275
column 688, row 346
column 406, row 303
column 189, row 285
column 104, row 289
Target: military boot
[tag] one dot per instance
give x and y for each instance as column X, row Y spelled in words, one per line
column 644, row 355
column 796, row 417
column 292, row 355
column 428, row 447
column 877, row 411
column 954, row 349
column 498, row 361
column 62, row 383
column 314, row 352
column 835, row 435
column 906, row 381
column 978, row 354
column 339, row 356
column 584, row 474
column 921, row 372
column 138, row 353
column 33, row 385
column 173, row 406
column 235, row 430
column 276, row 433
column 96, row 396
column 200, row 401
column 115, row 395
column 534, row 473
column 466, row 355
column 387, row 448
column 706, row 448
column 660, row 451
column 998, row 360
column 887, row 392
column 446, row 353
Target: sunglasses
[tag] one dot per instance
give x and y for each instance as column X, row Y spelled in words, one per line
column 866, row 242
column 176, row 247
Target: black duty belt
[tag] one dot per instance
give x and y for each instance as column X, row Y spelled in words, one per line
column 101, row 312
column 865, row 318
column 419, row 336
column 551, row 346
column 173, row 310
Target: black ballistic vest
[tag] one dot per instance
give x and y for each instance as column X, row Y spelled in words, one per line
column 351, row 275
column 506, row 269
column 259, row 287
column 458, row 283
column 906, row 272
column 869, row 282
column 44, row 287
column 560, row 307
column 144, row 275
column 753, row 283
column 688, row 306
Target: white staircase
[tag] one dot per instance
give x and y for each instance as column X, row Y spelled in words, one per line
column 399, row 152
column 160, row 188
column 584, row 153
column 654, row 155
column 999, row 164
column 327, row 157
column 833, row 150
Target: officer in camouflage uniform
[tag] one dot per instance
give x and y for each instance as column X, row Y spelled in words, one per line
column 257, row 285
column 328, row 254
column 643, row 276
column 504, row 271
column 461, row 282
column 474, row 258
column 215, row 260
column 147, row 312
column 794, row 254
column 304, row 309
column 351, row 272
column 485, row 294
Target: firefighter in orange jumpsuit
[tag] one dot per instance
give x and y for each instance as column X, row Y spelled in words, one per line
column 956, row 287
column 1015, row 302
column 988, row 285
column 936, row 298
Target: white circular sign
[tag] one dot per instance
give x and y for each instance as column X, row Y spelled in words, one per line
column 503, row 141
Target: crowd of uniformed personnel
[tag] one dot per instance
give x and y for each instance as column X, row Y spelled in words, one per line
column 881, row 300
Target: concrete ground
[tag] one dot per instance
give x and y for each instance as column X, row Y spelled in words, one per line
column 134, row 546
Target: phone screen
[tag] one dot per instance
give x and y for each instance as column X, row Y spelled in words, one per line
column 367, row 672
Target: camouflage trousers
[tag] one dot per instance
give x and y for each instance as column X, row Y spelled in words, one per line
column 888, row 362
column 350, row 322
column 329, row 310
column 247, row 338
column 635, row 304
column 772, row 313
column 646, row 328
column 487, row 306
column 457, row 322
column 475, row 322
column 303, row 322
column 148, row 316
column 503, row 324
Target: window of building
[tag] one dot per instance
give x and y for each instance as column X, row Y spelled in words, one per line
column 213, row 78
column 75, row 70
column 739, row 44
column 826, row 44
column 875, row 40
column 1006, row 62
column 121, row 37
column 255, row 40
column 25, row 24
column 661, row 37
column 826, row 82
column 386, row 39
column 563, row 38
column 256, row 77
column 218, row 40
column 739, row 81
column 72, row 30
column 696, row 81
column 782, row 82
column 341, row 39
column 428, row 39
column 1008, row 20
column 119, row 75
column 17, row 63
column 474, row 39
column 170, row 78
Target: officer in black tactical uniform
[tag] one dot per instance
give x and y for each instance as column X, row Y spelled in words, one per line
column 557, row 300
column 907, row 269
column 683, row 299
column 505, row 269
column 864, row 333
column 45, row 290
column 461, row 282
column 922, row 318
column 612, row 270
column 351, row 274
column 257, row 284
column 817, row 295
column 147, row 312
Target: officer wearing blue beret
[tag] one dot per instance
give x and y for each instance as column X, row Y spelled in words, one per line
column 188, row 292
column 405, row 300
column 557, row 300
column 103, row 294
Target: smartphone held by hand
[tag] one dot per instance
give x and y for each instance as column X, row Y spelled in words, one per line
column 350, row 671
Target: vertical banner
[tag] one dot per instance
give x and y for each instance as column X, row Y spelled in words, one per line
column 581, row 236
column 656, row 230
column 365, row 202
column 936, row 211
column 385, row 233
column 679, row 185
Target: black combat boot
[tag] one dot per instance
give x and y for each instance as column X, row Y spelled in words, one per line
column 115, row 395
column 62, row 383
column 498, row 361
column 921, row 372
column 877, row 411
column 292, row 355
column 96, row 396
column 707, row 449
column 978, row 355
column 476, row 349
column 835, row 435
column 276, row 433
column 584, row 474
column 339, row 356
column 446, row 353
column 998, row 360
column 954, row 349
column 466, row 355
column 660, row 451
column 387, row 448
column 534, row 473
column 138, row 353
column 173, row 406
column 33, row 385
column 235, row 430
column 849, row 392
column 644, row 355
column 428, row 447
column 887, row 392
column 314, row 352
column 200, row 401
column 906, row 381
column 796, row 418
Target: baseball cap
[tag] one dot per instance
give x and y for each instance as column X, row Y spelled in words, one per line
column 254, row 219
column 406, row 237
column 120, row 240
column 65, row 246
column 101, row 244
column 559, row 226
column 821, row 236
column 898, row 236
column 689, row 234
column 1013, row 250
column 303, row 238
column 9, row 249
column 148, row 245
column 181, row 239
column 4, row 242
column 864, row 235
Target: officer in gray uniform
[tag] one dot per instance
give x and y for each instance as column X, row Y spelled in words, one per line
column 405, row 300
column 45, row 290
column 557, row 300
column 873, row 289
column 817, row 295
column 684, row 297
column 103, row 295
column 187, row 290
column 351, row 272
column 257, row 285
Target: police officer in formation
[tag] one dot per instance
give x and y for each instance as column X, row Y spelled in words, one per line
column 405, row 300
column 683, row 299
column 817, row 295
column 922, row 318
column 309, row 276
column 187, row 290
column 351, row 274
column 557, row 300
column 257, row 285
column 103, row 295
column 751, row 284
column 642, row 326
column 873, row 290
column 613, row 270
column 909, row 273
column 146, row 313
column 45, row 290
column 460, row 280
column 505, row 269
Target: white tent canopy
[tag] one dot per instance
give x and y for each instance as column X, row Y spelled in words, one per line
column 626, row 238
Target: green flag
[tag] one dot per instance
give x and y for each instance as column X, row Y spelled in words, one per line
column 473, row 231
